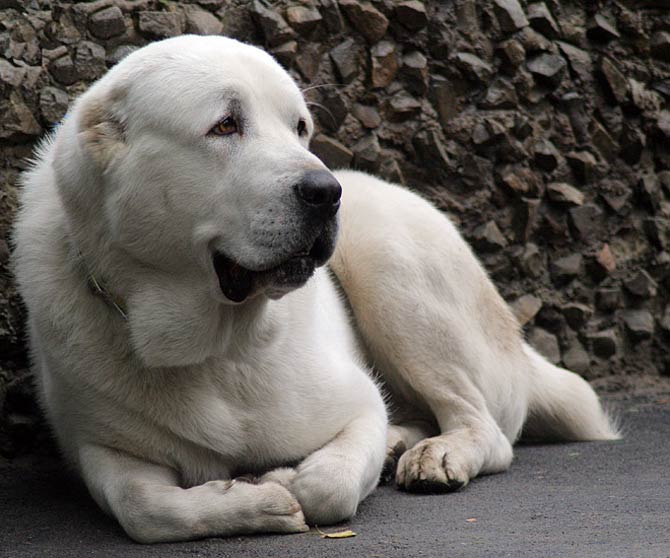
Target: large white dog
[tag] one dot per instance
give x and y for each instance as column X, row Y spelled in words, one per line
column 184, row 330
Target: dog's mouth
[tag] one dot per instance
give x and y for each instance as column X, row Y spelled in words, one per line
column 238, row 283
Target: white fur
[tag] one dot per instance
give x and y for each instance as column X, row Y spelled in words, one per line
column 159, row 413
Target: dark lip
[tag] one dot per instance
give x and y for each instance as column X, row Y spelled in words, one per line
column 237, row 282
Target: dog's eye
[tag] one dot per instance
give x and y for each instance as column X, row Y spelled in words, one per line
column 302, row 127
column 226, row 127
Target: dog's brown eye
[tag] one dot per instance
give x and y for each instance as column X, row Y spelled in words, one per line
column 226, row 127
column 302, row 127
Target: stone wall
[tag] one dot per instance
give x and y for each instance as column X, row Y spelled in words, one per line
column 541, row 128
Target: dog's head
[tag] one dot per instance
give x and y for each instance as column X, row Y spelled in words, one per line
column 197, row 151
column 202, row 142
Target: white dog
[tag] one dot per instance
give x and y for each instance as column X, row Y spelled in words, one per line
column 183, row 331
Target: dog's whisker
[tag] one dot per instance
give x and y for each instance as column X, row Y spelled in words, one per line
column 319, row 85
column 319, row 105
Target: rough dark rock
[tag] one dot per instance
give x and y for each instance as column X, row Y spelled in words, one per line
column 546, row 155
column 415, row 72
column 384, row 63
column 510, row 14
column 547, row 67
column 567, row 268
column 474, row 67
column 367, row 153
column 639, row 324
column 564, row 194
column 160, row 25
column 488, row 238
column 615, row 80
column 367, row 19
column 202, row 22
column 545, row 343
column 641, row 285
column 660, row 45
column 89, row 60
column 601, row 29
column 345, row 58
column 53, row 104
column 575, row 358
column 303, row 19
column 107, row 23
column 412, row 14
column 368, row 115
column 577, row 314
column 334, row 154
column 274, row 26
column 604, row 344
column 542, row 20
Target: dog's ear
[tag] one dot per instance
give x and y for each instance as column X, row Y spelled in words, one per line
column 102, row 131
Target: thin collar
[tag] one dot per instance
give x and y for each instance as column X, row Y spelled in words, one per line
column 98, row 288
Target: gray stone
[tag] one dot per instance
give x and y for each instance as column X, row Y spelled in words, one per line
column 384, row 63
column 367, row 153
column 412, row 14
column 601, row 29
column 615, row 80
column 63, row 70
column 660, row 45
column 641, row 285
column 332, row 17
column 430, row 149
column 541, row 20
column 53, row 104
column 658, row 231
column 512, row 52
column 521, row 180
column 633, row 142
column 616, row 194
column 274, row 26
column 533, row 42
column 89, row 60
column 17, row 119
column 649, row 192
column 367, row 19
column 202, row 22
column 608, row 299
column 546, row 154
column 368, row 116
column 415, row 71
column 603, row 141
column 308, row 60
column 576, row 359
column 531, row 260
column 286, row 53
column 585, row 220
column 500, row 95
column 564, row 194
column 639, row 324
column 583, row 165
column 604, row 344
column 107, row 23
column 488, row 238
column 331, row 152
column 525, row 308
column 547, row 67
column 546, row 344
column 403, row 106
column 526, row 217
column 10, row 74
column 567, row 268
column 345, row 59
column 160, row 25
column 303, row 19
column 510, row 15
column 579, row 60
column 473, row 67
column 577, row 314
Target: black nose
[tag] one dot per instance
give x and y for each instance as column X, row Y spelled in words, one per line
column 320, row 191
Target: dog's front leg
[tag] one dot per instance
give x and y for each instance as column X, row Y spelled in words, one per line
column 151, row 507
column 331, row 482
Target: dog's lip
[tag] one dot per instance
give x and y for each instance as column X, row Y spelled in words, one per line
column 238, row 282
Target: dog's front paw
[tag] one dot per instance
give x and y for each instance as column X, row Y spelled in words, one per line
column 276, row 509
column 431, row 466
column 326, row 495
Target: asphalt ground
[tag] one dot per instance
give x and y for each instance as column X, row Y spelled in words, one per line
column 607, row 499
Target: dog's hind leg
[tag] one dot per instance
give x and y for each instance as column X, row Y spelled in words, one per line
column 563, row 406
column 150, row 505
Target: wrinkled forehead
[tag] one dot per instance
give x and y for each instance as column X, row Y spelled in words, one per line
column 196, row 80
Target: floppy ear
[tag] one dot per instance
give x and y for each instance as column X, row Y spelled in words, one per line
column 102, row 132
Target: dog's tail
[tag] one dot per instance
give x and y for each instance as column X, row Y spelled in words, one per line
column 563, row 406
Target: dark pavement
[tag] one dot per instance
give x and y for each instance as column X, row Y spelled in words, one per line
column 568, row 500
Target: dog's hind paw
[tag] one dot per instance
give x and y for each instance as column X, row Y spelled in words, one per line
column 430, row 467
